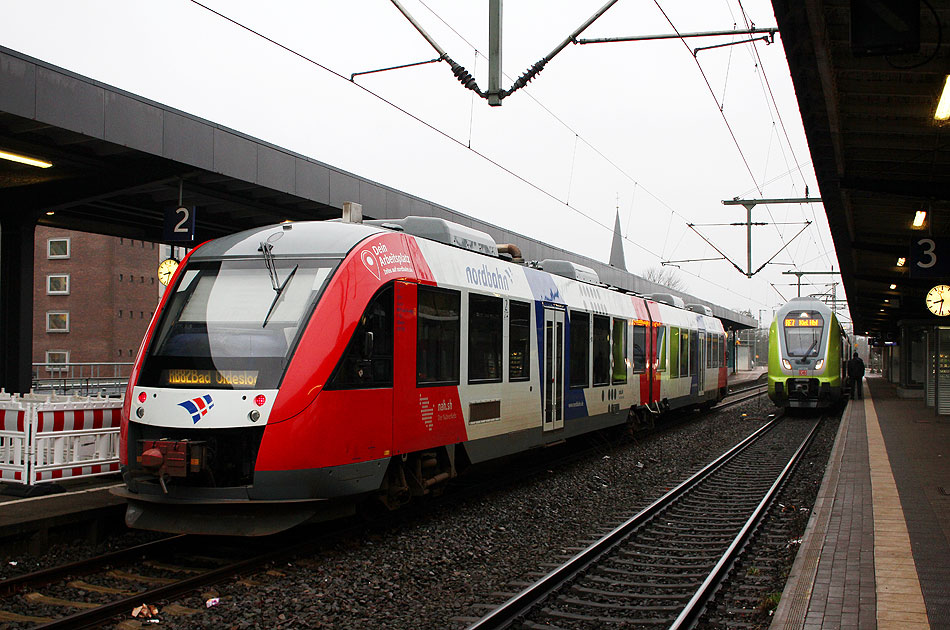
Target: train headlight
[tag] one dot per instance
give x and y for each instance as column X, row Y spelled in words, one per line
column 254, row 416
column 820, row 364
column 786, row 364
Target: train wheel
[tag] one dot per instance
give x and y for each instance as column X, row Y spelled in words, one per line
column 395, row 492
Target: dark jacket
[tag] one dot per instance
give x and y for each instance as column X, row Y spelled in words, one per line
column 856, row 368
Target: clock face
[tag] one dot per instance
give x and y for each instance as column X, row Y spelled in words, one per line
column 938, row 300
column 166, row 269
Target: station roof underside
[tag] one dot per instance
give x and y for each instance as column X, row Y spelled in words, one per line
column 120, row 162
column 877, row 152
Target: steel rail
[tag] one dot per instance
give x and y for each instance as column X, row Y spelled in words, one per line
column 16, row 583
column 101, row 614
column 510, row 611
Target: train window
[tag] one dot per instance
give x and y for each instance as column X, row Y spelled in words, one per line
column 694, row 365
column 619, row 352
column 601, row 350
column 661, row 348
column 438, row 342
column 684, row 353
column 226, row 325
column 674, row 352
column 519, row 341
column 580, row 349
column 803, row 333
column 710, row 356
column 367, row 361
column 640, row 348
column 484, row 338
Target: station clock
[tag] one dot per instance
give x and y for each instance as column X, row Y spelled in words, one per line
column 166, row 269
column 938, row 300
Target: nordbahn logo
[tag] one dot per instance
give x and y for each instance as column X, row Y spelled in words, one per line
column 198, row 407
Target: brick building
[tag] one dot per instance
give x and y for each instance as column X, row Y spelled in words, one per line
column 93, row 296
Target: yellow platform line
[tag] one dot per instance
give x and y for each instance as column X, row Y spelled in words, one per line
column 900, row 604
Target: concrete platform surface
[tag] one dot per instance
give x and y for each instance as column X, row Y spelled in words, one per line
column 876, row 553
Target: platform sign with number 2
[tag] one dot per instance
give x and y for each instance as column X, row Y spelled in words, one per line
column 180, row 224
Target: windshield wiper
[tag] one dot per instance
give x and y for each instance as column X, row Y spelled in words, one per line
column 266, row 248
column 807, row 354
column 279, row 291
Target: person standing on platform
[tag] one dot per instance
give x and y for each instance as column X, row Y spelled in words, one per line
column 856, row 374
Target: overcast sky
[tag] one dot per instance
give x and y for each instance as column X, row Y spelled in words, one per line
column 629, row 125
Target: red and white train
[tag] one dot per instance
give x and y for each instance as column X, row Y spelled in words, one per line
column 290, row 368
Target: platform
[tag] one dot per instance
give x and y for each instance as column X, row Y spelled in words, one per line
column 876, row 552
column 79, row 512
column 747, row 376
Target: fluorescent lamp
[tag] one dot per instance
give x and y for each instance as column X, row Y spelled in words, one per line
column 892, row 287
column 920, row 217
column 901, row 261
column 943, row 106
column 22, row 159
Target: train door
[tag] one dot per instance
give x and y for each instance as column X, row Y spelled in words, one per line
column 552, row 370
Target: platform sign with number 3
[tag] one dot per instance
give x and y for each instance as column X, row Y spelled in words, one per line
column 180, row 224
column 929, row 257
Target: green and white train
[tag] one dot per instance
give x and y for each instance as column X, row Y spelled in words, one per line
column 808, row 355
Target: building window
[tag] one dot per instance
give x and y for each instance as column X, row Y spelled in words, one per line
column 519, row 341
column 438, row 343
column 54, row 357
column 57, row 248
column 57, row 321
column 57, row 284
column 484, row 338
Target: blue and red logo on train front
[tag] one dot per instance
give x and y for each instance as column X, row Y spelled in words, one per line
column 198, row 407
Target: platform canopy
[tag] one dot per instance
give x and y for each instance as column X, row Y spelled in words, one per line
column 879, row 154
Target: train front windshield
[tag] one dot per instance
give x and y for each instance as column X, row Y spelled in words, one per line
column 803, row 333
column 233, row 324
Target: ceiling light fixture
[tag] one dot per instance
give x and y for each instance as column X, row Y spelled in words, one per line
column 943, row 106
column 892, row 287
column 901, row 261
column 22, row 159
column 920, row 217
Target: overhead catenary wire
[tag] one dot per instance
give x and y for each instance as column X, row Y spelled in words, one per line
column 475, row 152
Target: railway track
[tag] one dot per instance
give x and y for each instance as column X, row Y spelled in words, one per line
column 90, row 592
column 93, row 591
column 660, row 568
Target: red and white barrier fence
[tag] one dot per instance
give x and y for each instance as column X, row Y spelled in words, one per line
column 14, row 439
column 51, row 438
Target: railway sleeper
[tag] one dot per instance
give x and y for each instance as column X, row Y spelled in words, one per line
column 678, row 554
column 640, row 585
column 661, row 565
column 661, row 597
column 601, row 620
column 655, row 575
column 586, row 603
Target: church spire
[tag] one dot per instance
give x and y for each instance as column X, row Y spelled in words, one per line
column 616, row 247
